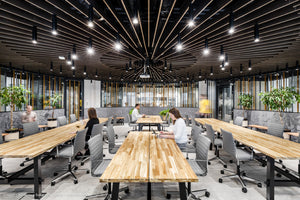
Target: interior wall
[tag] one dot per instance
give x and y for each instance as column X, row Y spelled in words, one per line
column 92, row 94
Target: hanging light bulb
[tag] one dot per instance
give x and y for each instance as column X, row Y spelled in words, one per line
column 230, row 71
column 135, row 20
column 51, row 66
column 297, row 65
column 73, row 65
column 221, row 57
column 130, row 64
column 200, row 74
column 256, row 33
column 73, row 73
column 223, row 66
column 109, row 76
column 60, row 69
column 249, row 65
column 96, row 74
column 69, row 62
column 90, row 48
column 84, row 71
column 118, row 45
column 170, row 69
column 206, row 49
column 126, row 68
column 191, row 23
column 74, row 55
column 91, row 17
column 122, row 77
column 179, row 44
column 34, row 34
column 54, row 24
column 211, row 71
column 166, row 64
column 231, row 24
column 241, row 68
column 226, row 60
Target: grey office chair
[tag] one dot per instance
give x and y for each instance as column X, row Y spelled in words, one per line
column 227, row 118
column 112, row 147
column 229, row 146
column 73, row 118
column 107, row 124
column 115, row 121
column 187, row 120
column 131, row 124
column 191, row 146
column 238, row 121
column 29, row 128
column 3, row 174
column 217, row 143
column 98, row 166
column 97, row 129
column 70, row 152
column 61, row 121
column 199, row 165
column 166, row 124
column 275, row 129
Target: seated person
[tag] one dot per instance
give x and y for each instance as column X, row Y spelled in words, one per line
column 29, row 115
column 135, row 113
column 178, row 133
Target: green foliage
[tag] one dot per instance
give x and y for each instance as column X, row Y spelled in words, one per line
column 54, row 101
column 280, row 99
column 130, row 112
column 164, row 112
column 246, row 101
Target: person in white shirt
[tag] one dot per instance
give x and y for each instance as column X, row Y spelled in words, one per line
column 178, row 133
column 29, row 115
column 136, row 114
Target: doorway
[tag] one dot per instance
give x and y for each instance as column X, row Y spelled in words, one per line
column 225, row 101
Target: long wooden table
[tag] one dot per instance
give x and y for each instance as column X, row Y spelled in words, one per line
column 145, row 158
column 273, row 147
column 149, row 120
column 35, row 145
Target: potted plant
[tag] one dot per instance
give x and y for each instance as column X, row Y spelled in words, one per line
column 53, row 103
column 13, row 96
column 280, row 99
column 246, row 101
column 164, row 113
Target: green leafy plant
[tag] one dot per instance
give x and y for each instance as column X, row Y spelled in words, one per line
column 246, row 101
column 164, row 112
column 280, row 99
column 130, row 111
column 53, row 102
column 13, row 96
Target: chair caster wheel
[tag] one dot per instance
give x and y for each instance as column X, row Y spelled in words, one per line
column 283, row 166
column 225, row 166
column 220, row 180
column 82, row 163
column 105, row 187
column 287, row 171
column 222, row 171
column 244, row 190
column 278, row 175
column 263, row 165
column 75, row 168
column 53, row 157
column 75, row 181
column 103, row 155
column 243, row 174
column 168, row 196
column 127, row 190
column 52, row 183
column 88, row 171
column 259, row 185
column 22, row 165
column 187, row 158
column 207, row 194
column 208, row 163
column 55, row 174
column 231, row 161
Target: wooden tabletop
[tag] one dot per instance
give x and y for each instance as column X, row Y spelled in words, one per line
column 167, row 163
column 150, row 119
column 265, row 127
column 43, row 126
column 34, row 145
column 144, row 158
column 269, row 145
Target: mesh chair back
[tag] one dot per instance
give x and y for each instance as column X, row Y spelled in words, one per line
column 187, row 120
column 30, row 128
column 202, row 148
column 111, row 137
column 276, row 129
column 196, row 131
column 73, row 118
column 193, row 121
column 115, row 120
column 210, row 133
column 108, row 123
column 228, row 143
column 61, row 121
column 96, row 151
column 227, row 118
column 79, row 142
column 97, row 129
column 238, row 121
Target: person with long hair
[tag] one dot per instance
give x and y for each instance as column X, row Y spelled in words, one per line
column 178, row 133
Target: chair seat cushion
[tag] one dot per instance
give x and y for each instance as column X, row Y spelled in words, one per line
column 243, row 155
column 101, row 168
column 65, row 152
column 115, row 149
column 196, row 168
column 218, row 142
column 189, row 149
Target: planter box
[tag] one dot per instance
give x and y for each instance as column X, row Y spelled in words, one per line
column 52, row 123
column 12, row 136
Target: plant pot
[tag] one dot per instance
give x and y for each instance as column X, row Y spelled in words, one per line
column 52, row 122
column 164, row 117
column 13, row 134
column 245, row 123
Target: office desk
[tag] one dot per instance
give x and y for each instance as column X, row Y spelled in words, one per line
column 149, row 120
column 144, row 158
column 34, row 146
column 273, row 147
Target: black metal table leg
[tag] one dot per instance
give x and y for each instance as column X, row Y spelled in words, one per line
column 159, row 127
column 182, row 191
column 270, row 178
column 115, row 191
column 149, row 127
column 37, row 177
column 149, row 191
column 189, row 188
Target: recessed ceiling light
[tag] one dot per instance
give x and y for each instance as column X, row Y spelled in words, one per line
column 61, row 57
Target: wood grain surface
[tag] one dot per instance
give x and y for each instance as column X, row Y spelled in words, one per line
column 150, row 119
column 39, row 143
column 269, row 145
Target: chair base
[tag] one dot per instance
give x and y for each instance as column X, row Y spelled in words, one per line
column 192, row 195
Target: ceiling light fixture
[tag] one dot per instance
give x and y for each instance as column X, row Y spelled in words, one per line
column 145, row 74
column 256, row 33
column 126, row 68
column 54, row 25
column 61, row 58
column 91, row 17
column 241, row 68
column 135, row 20
column 130, row 64
column 110, row 76
column 74, row 55
column 73, row 73
column 249, row 65
column 230, row 71
column 60, row 69
column 118, row 45
column 122, row 77
column 69, row 62
column 206, row 49
column 287, row 67
column 73, row 65
column 297, row 65
column 231, row 23
column 179, row 44
column 191, row 23
column 34, row 34
column 211, row 71
column 170, row 69
column 90, row 49
column 96, row 74
column 166, row 64
column 221, row 57
column 84, row 70
column 226, row 60
column 51, row 66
